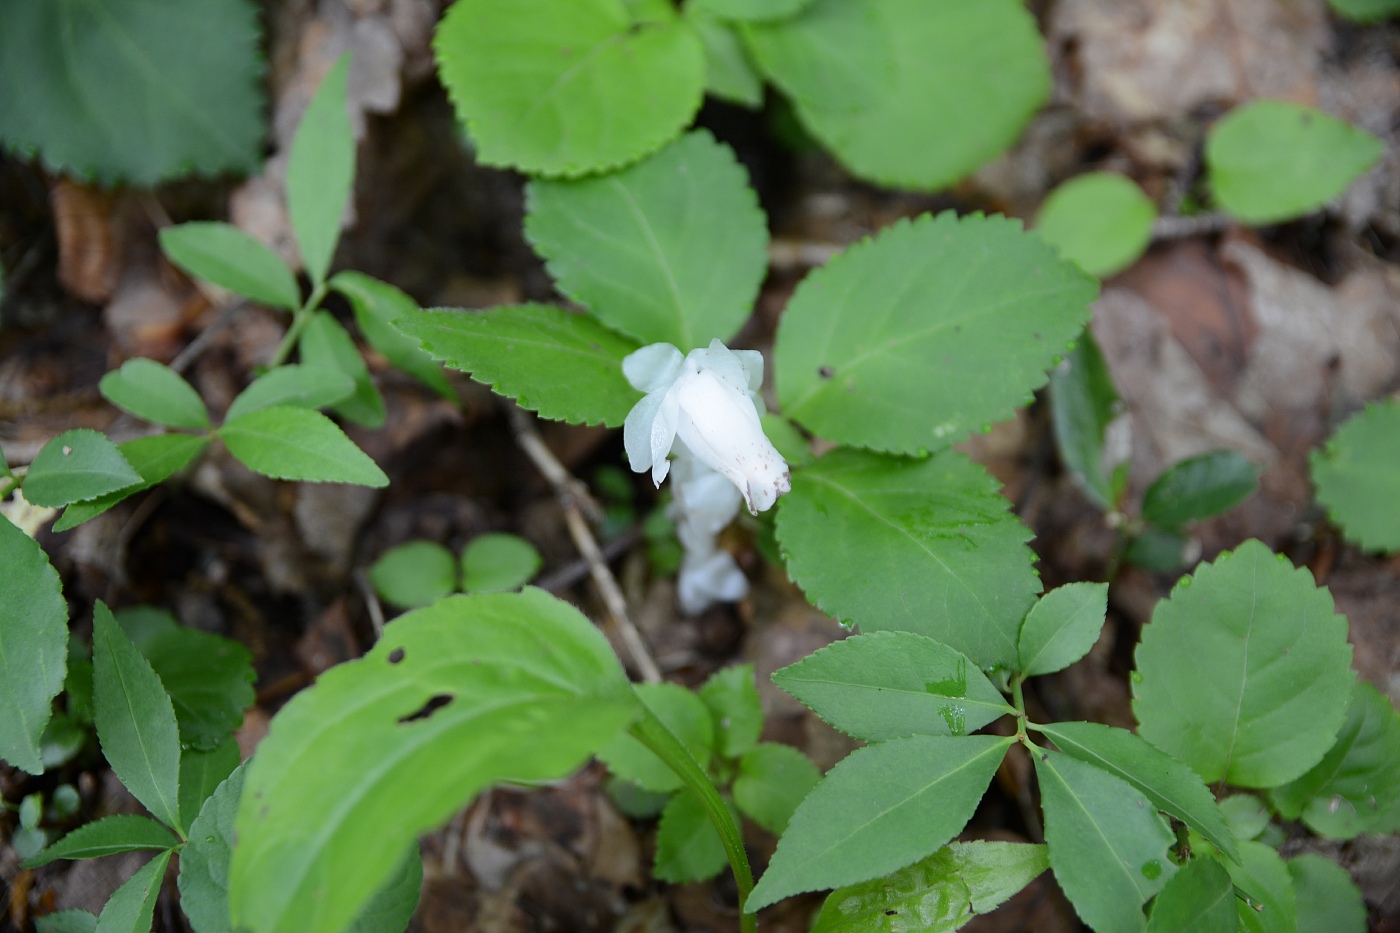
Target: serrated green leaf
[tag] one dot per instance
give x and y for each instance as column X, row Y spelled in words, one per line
column 66, row 921
column 77, row 466
column 890, row 684
column 415, row 574
column 156, row 393
column 1171, row 786
column 929, row 330
column 377, row 305
column 883, row 807
column 670, row 250
column 204, row 862
column 1100, row 220
column 1200, row 898
column 496, row 563
column 470, row 690
column 729, row 75
column 298, row 444
column 1366, row 11
column 1264, row 638
column 772, row 781
column 1271, row 160
column 1082, row 403
column 1357, row 474
column 681, row 711
column 155, row 458
column 201, row 773
column 735, row 709
column 1061, row 627
column 121, row 90
column 1108, row 849
column 688, row 847
column 135, row 720
column 906, row 127
column 1199, row 487
column 565, row 366
column 209, row 679
column 325, row 344
column 107, row 836
column 1325, row 896
column 319, row 171
column 938, row 894
column 1264, row 879
column 225, row 255
column 584, row 88
column 33, row 646
column 299, row 386
column 131, row 907
column 925, row 546
column 1245, row 815
column 1355, row 788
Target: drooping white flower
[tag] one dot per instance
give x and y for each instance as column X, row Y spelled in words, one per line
column 703, row 503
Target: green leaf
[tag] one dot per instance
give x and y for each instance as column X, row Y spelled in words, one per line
column 938, row 894
column 225, row 255
column 209, row 679
column 1366, row 11
column 107, row 836
column 681, row 711
column 299, row 386
column 1199, row 488
column 497, row 563
column 584, row 88
column 1061, row 627
column 751, row 9
column 1245, row 814
column 201, row 773
column 1170, row 785
column 1100, row 220
column 789, row 441
column 1157, row 549
column 688, row 847
column 772, row 781
column 392, row 906
column 1108, row 849
column 131, row 907
column 155, row 458
column 1244, row 671
column 1200, row 898
column 1272, row 160
column 1326, row 897
column 1355, row 788
column 204, row 862
column 1264, row 879
column 121, row 90
column 76, row 466
column 135, row 720
column 729, row 75
column 156, row 393
column 890, row 684
column 735, row 709
column 377, row 305
column 143, row 624
column 671, row 250
column 33, row 646
column 883, row 807
column 1082, row 403
column 929, row 330
column 924, row 546
column 66, row 921
column 325, row 344
column 911, row 130
column 565, row 366
column 414, row 574
column 1357, row 474
column 319, row 171
column 468, row 691
column 297, row 444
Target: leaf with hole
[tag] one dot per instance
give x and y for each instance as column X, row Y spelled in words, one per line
column 77, row 466
column 496, row 563
column 1357, row 475
column 414, row 574
column 377, row 305
column 107, row 836
column 319, row 171
column 1101, row 221
column 1198, row 488
column 156, row 393
column 33, row 646
column 284, row 442
column 226, row 256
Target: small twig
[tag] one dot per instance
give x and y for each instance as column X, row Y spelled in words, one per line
column 567, row 576
column 200, row 343
column 1181, row 228
column 572, row 498
column 376, row 611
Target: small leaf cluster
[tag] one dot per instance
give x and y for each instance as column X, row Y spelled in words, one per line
column 418, row 573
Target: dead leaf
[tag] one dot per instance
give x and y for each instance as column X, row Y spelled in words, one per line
column 90, row 253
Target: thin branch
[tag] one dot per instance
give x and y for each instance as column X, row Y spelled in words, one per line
column 1181, row 228
column 376, row 611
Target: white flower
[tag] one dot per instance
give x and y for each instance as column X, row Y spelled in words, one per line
column 707, row 400
column 704, row 502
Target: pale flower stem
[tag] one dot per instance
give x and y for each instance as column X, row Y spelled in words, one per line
column 569, row 491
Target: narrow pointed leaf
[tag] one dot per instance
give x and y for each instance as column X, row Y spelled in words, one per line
column 1061, row 627
column 1083, row 401
column 155, row 458
column 300, row 386
column 225, row 255
column 201, row 773
column 1199, row 487
column 33, row 646
column 377, row 305
column 1199, row 898
column 156, row 393
column 298, row 444
column 319, row 171
column 132, row 906
column 77, row 466
column 107, row 836
column 326, row 345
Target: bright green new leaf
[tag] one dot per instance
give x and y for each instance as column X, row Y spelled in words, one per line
column 123, row 90
column 204, row 861
column 890, row 684
column 938, row 894
column 1244, row 672
column 497, row 563
column 1108, row 847
column 1357, row 474
column 1199, row 898
column 670, row 250
column 107, row 836
column 751, row 9
column 415, row 574
column 1366, row 11
column 941, row 86
column 325, row 344
column 135, row 720
column 584, row 87
column 468, row 691
column 1326, row 897
column 1271, row 160
column 735, row 709
column 319, row 171
column 155, row 458
column 1198, row 488
column 209, row 679
column 131, row 908
column 225, row 255
column 565, row 366
column 773, row 780
column 924, row 546
column 77, row 466
column 1355, row 788
column 377, row 305
column 1265, row 881
column 883, row 807
column 284, row 442
column 66, row 921
column 681, row 711
column 1061, row 627
column 156, row 393
column 1100, row 220
column 688, row 847
column 729, row 75
column 933, row 328
column 1083, row 402
column 1245, row 815
column 33, row 646
column 299, row 386
column 201, row 773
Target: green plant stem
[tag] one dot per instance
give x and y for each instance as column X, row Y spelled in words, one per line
column 653, row 733
column 299, row 319
column 1018, row 699
column 9, row 485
